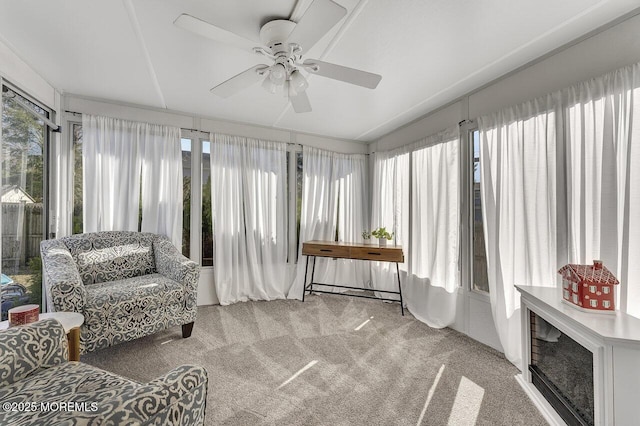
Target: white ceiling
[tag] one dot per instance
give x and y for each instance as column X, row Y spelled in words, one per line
column 429, row 52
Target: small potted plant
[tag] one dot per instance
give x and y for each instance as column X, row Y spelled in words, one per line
column 366, row 235
column 382, row 235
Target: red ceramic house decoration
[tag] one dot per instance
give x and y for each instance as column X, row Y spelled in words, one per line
column 589, row 287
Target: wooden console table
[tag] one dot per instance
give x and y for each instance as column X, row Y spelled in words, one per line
column 356, row 251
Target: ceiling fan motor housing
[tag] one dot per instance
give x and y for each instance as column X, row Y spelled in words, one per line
column 274, row 34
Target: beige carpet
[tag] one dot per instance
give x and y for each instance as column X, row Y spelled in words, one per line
column 294, row 363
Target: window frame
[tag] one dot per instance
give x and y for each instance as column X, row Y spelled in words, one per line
column 50, row 115
column 467, row 131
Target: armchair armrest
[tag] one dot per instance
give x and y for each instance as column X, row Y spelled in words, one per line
column 65, row 290
column 178, row 398
column 172, row 264
column 27, row 348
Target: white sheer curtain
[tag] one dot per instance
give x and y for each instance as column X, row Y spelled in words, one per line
column 115, row 153
column 162, row 197
column 603, row 177
column 111, row 174
column 432, row 291
column 350, row 171
column 416, row 194
column 390, row 209
column 559, row 184
column 330, row 178
column 249, row 211
column 519, row 206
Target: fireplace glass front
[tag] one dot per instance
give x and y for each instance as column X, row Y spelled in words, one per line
column 562, row 370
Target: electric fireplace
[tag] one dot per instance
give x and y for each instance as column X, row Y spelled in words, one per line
column 562, row 370
column 579, row 368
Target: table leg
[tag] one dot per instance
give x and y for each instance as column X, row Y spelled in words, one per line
column 304, row 284
column 313, row 274
column 400, row 289
column 73, row 337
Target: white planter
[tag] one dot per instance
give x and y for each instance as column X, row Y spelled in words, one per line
column 382, row 242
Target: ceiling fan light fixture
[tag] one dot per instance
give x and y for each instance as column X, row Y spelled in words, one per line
column 269, row 86
column 297, row 83
column 278, row 74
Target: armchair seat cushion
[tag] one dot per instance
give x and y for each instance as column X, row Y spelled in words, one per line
column 128, row 309
column 142, row 293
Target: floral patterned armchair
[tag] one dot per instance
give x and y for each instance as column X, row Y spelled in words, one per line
column 126, row 284
column 36, row 378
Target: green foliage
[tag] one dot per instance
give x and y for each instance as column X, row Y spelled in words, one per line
column 77, row 179
column 366, row 235
column 186, row 217
column 22, row 147
column 207, row 224
column 381, row 233
column 35, row 290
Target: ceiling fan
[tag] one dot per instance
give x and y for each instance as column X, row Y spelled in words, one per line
column 283, row 42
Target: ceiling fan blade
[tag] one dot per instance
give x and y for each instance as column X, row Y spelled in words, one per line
column 213, row 32
column 300, row 102
column 346, row 74
column 319, row 18
column 240, row 81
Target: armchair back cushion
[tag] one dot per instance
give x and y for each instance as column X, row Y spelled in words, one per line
column 111, row 256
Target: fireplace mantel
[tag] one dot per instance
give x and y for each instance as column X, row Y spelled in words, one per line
column 614, row 340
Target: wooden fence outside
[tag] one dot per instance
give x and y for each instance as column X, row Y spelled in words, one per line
column 22, row 231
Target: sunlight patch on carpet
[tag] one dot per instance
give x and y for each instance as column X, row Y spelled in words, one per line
column 302, row 370
column 466, row 406
column 363, row 324
column 430, row 394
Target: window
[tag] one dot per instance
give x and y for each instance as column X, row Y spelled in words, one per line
column 299, row 178
column 186, row 194
column 24, row 145
column 294, row 189
column 480, row 278
column 207, row 227
column 188, row 146
column 76, row 142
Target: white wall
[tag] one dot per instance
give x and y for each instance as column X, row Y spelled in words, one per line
column 609, row 50
column 16, row 71
column 429, row 125
column 604, row 51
